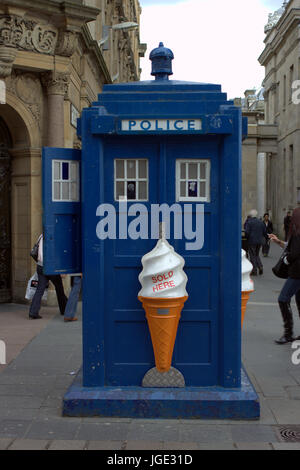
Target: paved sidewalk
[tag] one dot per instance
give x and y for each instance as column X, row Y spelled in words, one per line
column 45, row 354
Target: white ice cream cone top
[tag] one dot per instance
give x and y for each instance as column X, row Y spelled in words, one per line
column 247, row 283
column 163, row 275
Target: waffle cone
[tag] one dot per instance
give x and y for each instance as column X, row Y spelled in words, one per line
column 163, row 316
column 245, row 298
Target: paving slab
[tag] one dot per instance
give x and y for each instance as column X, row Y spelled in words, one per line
column 52, row 429
column 67, row 445
column 105, row 445
column 217, row 446
column 5, row 443
column 13, row 427
column 205, row 433
column 286, row 445
column 258, row 433
column 29, row 444
column 144, row 445
column 180, row 446
column 103, row 431
column 253, row 446
column 286, row 411
column 154, row 431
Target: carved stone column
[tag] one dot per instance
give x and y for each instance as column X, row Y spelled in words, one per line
column 57, row 87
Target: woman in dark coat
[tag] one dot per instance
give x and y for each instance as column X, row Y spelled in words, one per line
column 292, row 284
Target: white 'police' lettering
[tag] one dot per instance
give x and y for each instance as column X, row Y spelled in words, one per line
column 161, row 125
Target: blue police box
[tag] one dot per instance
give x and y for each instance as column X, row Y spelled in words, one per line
column 153, row 151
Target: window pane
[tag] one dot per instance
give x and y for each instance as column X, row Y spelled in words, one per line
column 193, row 169
column 120, row 189
column 143, row 190
column 203, row 189
column 131, row 190
column 73, row 191
column 203, row 171
column 56, row 195
column 131, row 168
column 193, row 189
column 142, row 168
column 73, row 171
column 65, row 190
column 182, row 189
column 120, row 169
column 56, row 170
column 65, row 170
column 182, row 171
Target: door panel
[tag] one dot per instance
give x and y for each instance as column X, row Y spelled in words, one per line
column 61, row 211
column 129, row 353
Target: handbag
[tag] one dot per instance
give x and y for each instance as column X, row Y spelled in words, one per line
column 281, row 269
column 35, row 250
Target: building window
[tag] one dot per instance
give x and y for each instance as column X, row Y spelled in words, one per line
column 284, row 91
column 291, row 82
column 65, row 181
column 131, row 179
column 193, row 180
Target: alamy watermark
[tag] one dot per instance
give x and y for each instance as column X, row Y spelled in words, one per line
column 135, row 222
column 296, row 353
column 2, row 353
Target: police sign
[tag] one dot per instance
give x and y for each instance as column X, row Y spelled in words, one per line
column 161, row 125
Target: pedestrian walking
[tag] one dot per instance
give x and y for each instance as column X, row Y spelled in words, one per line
column 256, row 233
column 71, row 306
column 286, row 224
column 42, row 283
column 269, row 228
column 291, row 286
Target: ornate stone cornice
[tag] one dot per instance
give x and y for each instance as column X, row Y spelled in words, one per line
column 56, row 83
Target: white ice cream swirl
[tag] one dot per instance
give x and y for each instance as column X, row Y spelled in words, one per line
column 247, row 283
column 162, row 275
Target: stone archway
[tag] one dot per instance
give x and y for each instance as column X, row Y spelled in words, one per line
column 23, row 202
column 5, row 214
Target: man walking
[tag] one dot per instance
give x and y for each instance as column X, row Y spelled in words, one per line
column 256, row 233
column 269, row 227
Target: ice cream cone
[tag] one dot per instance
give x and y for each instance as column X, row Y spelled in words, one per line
column 245, row 298
column 163, row 316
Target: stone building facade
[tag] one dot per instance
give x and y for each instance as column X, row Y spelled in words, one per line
column 261, row 142
column 280, row 58
column 55, row 56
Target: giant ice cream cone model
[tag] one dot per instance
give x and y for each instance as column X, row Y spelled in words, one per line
column 163, row 295
column 247, row 283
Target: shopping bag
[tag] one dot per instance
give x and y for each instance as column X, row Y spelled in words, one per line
column 31, row 288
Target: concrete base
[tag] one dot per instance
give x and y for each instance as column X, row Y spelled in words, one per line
column 185, row 403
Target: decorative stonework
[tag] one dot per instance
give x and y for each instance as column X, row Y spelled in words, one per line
column 56, row 82
column 27, row 87
column 28, row 35
column 273, row 18
column 67, row 43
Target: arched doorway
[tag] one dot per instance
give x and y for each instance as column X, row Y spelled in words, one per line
column 5, row 214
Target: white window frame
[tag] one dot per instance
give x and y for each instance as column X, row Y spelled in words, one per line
column 69, row 181
column 125, row 180
column 199, row 180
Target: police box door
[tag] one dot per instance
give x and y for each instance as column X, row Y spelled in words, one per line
column 148, row 171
